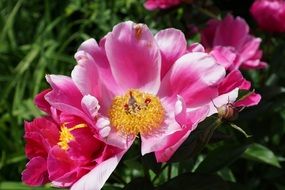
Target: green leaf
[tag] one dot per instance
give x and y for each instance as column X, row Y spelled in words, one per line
column 221, row 157
column 260, row 153
column 227, row 174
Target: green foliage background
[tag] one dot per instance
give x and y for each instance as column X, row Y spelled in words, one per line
column 41, row 36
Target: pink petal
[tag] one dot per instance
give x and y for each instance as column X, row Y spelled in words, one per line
column 62, row 170
column 188, row 119
column 233, row 80
column 35, row 173
column 112, row 137
column 172, row 45
column 97, row 177
column 194, row 77
column 89, row 46
column 134, row 57
column 173, row 141
column 90, row 105
column 85, row 74
column 93, row 61
column 65, row 96
column 40, row 101
column 249, row 48
column 40, row 135
column 93, row 74
column 118, row 139
column 251, row 100
column 225, row 56
column 158, row 139
column 196, row 47
column 63, row 91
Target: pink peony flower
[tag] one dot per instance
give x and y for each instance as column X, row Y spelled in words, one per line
column 130, row 84
column 62, row 147
column 161, row 4
column 231, row 44
column 269, row 14
column 147, row 85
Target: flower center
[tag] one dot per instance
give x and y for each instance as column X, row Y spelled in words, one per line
column 136, row 112
column 65, row 135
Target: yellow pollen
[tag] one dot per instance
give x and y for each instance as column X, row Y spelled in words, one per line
column 136, row 112
column 65, row 135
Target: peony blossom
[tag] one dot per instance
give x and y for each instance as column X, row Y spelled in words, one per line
column 62, row 147
column 161, row 4
column 269, row 14
column 129, row 84
column 147, row 85
column 229, row 41
column 150, row 86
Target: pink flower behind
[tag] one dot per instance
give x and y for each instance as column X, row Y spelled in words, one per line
column 231, row 44
column 269, row 14
column 161, row 4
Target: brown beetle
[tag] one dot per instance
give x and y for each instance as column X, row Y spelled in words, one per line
column 228, row 112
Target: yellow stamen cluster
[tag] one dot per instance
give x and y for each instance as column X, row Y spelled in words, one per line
column 136, row 112
column 65, row 135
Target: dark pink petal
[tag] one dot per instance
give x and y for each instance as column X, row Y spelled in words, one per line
column 35, row 173
column 62, row 169
column 41, row 103
column 134, row 57
column 251, row 100
column 85, row 145
column 233, row 80
column 231, row 32
column 172, row 45
column 40, row 135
